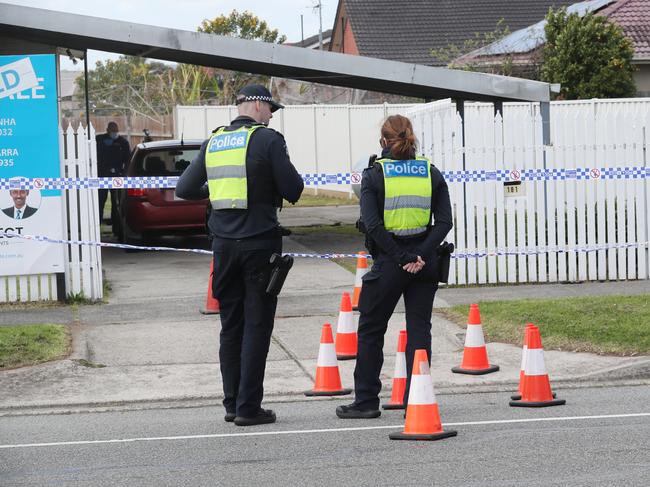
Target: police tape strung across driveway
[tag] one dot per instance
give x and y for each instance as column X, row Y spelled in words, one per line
column 468, row 176
column 455, row 255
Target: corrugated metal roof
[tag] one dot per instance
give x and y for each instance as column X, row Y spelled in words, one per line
column 529, row 38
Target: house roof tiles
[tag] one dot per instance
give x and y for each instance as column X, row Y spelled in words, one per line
column 632, row 15
column 634, row 18
column 407, row 30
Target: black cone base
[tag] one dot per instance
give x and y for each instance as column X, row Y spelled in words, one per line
column 208, row 312
column 393, row 406
column 342, row 392
column 346, row 357
column 517, row 397
column 433, row 437
column 491, row 368
column 541, row 404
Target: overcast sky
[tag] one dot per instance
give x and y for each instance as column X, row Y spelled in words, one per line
column 283, row 15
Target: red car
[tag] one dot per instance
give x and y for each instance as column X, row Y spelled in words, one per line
column 144, row 213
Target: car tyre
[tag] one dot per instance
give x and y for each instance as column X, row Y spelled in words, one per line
column 129, row 237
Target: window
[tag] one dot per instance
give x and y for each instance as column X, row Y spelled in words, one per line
column 166, row 162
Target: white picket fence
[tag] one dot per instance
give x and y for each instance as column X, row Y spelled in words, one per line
column 545, row 235
column 321, row 138
column 83, row 264
column 558, row 230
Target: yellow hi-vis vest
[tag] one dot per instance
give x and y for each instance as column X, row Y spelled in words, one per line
column 225, row 163
column 407, row 199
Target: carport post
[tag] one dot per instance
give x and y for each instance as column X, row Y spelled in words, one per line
column 460, row 107
column 86, row 93
column 498, row 108
column 545, row 112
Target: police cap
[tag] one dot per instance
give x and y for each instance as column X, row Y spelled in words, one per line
column 257, row 92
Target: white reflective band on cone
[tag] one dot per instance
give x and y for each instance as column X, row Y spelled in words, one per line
column 421, row 391
column 523, row 357
column 474, row 336
column 357, row 278
column 535, row 362
column 346, row 323
column 400, row 366
column 327, row 355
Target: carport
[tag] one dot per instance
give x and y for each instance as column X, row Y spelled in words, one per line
column 27, row 30
column 39, row 29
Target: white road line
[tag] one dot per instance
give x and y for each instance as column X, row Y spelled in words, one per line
column 326, row 430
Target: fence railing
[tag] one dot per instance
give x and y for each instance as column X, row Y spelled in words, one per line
column 81, row 207
column 552, row 229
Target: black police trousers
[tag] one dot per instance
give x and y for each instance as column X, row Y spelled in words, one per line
column 382, row 287
column 241, row 274
column 103, row 196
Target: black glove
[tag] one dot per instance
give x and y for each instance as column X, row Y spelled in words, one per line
column 284, row 232
column 407, row 258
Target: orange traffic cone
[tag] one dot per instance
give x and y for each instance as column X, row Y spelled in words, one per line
column 475, row 359
column 523, row 363
column 399, row 376
column 328, row 379
column 422, row 414
column 536, row 389
column 211, row 304
column 346, row 331
column 362, row 269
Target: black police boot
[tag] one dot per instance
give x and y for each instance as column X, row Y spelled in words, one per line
column 263, row 416
column 352, row 411
column 229, row 417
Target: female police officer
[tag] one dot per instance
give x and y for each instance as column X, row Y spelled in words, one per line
column 399, row 195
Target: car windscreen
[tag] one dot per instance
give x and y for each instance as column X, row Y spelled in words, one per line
column 165, row 162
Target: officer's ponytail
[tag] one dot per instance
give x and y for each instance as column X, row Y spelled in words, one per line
column 397, row 131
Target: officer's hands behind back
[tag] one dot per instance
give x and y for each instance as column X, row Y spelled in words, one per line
column 414, row 267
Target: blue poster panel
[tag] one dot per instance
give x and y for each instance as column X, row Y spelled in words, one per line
column 29, row 147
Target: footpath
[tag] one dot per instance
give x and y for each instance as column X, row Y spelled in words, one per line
column 149, row 346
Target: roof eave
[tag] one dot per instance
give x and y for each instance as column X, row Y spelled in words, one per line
column 84, row 32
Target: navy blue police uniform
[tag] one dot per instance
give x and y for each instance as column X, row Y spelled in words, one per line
column 387, row 281
column 112, row 158
column 243, row 241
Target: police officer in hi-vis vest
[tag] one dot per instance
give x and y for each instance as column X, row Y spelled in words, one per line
column 399, row 194
column 248, row 173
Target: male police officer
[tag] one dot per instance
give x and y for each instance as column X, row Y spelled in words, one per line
column 248, row 171
column 113, row 152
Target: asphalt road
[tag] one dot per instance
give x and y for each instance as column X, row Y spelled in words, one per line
column 600, row 438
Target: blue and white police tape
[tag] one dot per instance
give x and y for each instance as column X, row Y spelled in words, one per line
column 479, row 175
column 460, row 254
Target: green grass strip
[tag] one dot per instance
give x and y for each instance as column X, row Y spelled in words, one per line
column 613, row 325
column 32, row 344
column 323, row 200
column 335, row 229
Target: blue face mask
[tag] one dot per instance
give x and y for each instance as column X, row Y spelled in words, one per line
column 113, row 135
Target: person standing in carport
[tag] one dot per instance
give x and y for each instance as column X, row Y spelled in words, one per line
column 113, row 152
column 248, row 173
